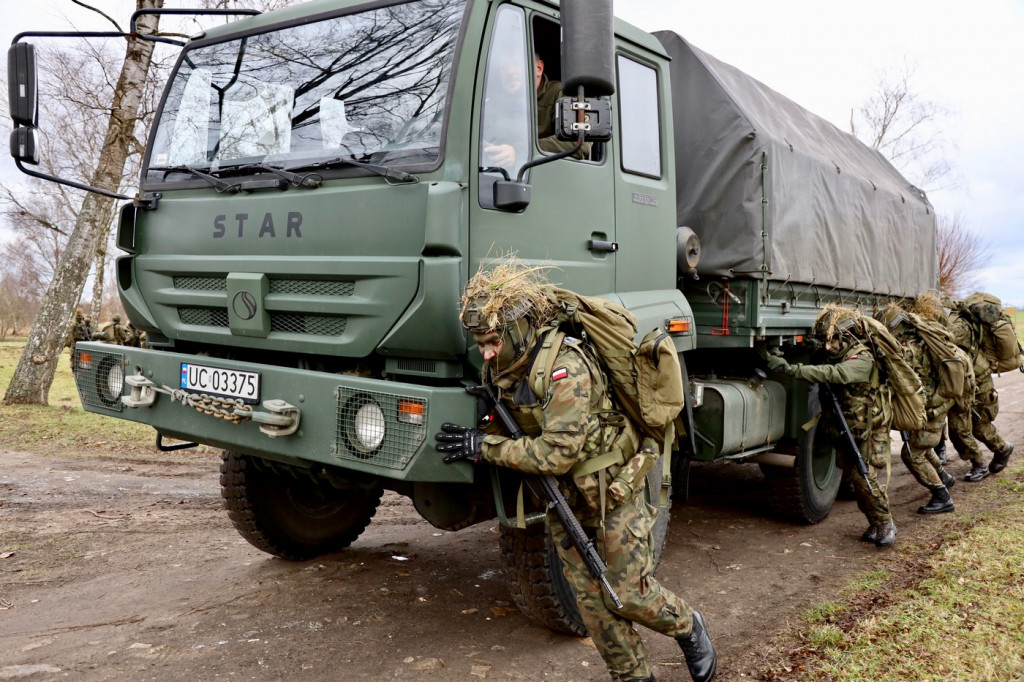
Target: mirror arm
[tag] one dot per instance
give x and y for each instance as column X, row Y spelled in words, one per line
column 70, row 183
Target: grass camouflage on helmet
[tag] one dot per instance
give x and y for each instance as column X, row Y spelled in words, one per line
column 503, row 293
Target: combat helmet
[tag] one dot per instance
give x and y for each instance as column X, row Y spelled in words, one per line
column 895, row 319
column 836, row 321
column 508, row 298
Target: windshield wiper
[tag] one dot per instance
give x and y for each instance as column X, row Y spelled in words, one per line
column 388, row 173
column 221, row 185
column 310, row 180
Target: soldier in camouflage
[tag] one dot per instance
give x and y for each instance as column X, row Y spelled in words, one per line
column 80, row 331
column 866, row 404
column 968, row 426
column 917, row 454
column 565, row 428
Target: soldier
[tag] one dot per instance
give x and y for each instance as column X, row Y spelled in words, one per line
column 111, row 332
column 572, row 425
column 932, row 308
column 968, row 426
column 866, row 405
column 917, row 452
column 79, row 331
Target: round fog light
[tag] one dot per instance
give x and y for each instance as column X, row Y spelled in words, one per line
column 109, row 381
column 368, row 425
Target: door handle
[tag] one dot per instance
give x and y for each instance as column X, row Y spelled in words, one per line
column 602, row 245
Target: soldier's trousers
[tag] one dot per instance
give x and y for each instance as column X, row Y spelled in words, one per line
column 968, row 426
column 876, row 451
column 918, row 455
column 625, row 543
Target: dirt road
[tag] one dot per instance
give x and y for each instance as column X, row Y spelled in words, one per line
column 128, row 569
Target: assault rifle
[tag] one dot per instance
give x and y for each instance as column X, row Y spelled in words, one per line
column 831, row 403
column 547, row 489
column 905, row 435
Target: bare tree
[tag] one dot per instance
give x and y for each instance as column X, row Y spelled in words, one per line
column 962, row 253
column 907, row 130
column 34, row 373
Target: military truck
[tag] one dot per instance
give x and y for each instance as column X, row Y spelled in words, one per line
column 320, row 182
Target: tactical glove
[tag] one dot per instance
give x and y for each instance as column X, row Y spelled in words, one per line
column 777, row 364
column 460, row 441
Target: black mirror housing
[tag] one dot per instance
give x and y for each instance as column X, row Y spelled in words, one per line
column 587, row 47
column 22, row 91
column 23, row 145
column 597, row 119
column 510, row 195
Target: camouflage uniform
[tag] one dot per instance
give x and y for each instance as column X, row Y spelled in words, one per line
column 562, row 430
column 574, row 422
column 967, row 426
column 868, row 411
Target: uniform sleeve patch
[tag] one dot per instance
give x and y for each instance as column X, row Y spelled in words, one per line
column 560, row 373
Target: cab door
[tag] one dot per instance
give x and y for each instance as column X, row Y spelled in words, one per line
column 569, row 223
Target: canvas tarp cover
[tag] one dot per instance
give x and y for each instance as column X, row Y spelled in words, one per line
column 837, row 213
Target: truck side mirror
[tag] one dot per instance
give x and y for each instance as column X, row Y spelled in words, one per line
column 587, row 47
column 23, row 145
column 596, row 120
column 22, row 93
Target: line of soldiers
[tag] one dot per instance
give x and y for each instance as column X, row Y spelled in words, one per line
column 929, row 337
column 109, row 332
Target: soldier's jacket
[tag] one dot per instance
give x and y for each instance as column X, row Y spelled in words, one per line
column 866, row 404
column 920, row 357
column 564, row 427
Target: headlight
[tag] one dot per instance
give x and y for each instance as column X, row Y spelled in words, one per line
column 368, row 427
column 109, row 381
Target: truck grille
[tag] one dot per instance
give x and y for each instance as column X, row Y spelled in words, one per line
column 401, row 440
column 290, row 323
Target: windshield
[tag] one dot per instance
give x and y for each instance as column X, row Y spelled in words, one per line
column 367, row 86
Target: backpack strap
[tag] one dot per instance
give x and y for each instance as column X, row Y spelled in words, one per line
column 544, row 361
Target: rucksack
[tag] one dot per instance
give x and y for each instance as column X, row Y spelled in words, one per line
column 908, row 413
column 956, row 373
column 645, row 378
column 998, row 337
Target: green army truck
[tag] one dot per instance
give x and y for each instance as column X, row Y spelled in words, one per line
column 321, row 181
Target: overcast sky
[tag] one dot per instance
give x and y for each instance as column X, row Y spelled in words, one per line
column 826, row 56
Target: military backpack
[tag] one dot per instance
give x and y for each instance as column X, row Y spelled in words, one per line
column 645, row 378
column 908, row 411
column 998, row 337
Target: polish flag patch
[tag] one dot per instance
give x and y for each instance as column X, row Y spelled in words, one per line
column 560, row 373
column 852, row 357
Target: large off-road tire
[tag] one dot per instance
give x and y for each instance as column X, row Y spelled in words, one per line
column 805, row 493
column 536, row 582
column 293, row 517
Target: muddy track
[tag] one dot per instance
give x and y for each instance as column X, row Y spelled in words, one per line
column 130, row 570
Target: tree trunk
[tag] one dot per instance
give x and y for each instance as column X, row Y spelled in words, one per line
column 34, row 373
column 98, row 277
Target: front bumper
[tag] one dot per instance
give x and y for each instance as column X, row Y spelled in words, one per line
column 303, row 418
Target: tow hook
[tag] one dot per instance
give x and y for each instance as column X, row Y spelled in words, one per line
column 281, row 418
column 143, row 391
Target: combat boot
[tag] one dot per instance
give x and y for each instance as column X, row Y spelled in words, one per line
column 886, row 535
column 948, row 479
column 940, row 503
column 698, row 650
column 978, row 472
column 870, row 535
column 1000, row 459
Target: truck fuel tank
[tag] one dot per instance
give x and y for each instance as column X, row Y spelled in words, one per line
column 735, row 415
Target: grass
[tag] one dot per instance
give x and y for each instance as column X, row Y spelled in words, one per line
column 954, row 609
column 62, row 425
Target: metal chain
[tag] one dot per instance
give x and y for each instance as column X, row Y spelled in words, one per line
column 229, row 409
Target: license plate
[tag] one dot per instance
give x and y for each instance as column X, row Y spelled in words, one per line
column 231, row 383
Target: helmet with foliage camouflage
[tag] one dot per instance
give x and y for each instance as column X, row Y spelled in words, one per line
column 836, row 320
column 509, row 299
column 895, row 319
column 930, row 307
column 984, row 307
column 499, row 296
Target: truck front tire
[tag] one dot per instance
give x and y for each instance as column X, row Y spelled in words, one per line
column 293, row 517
